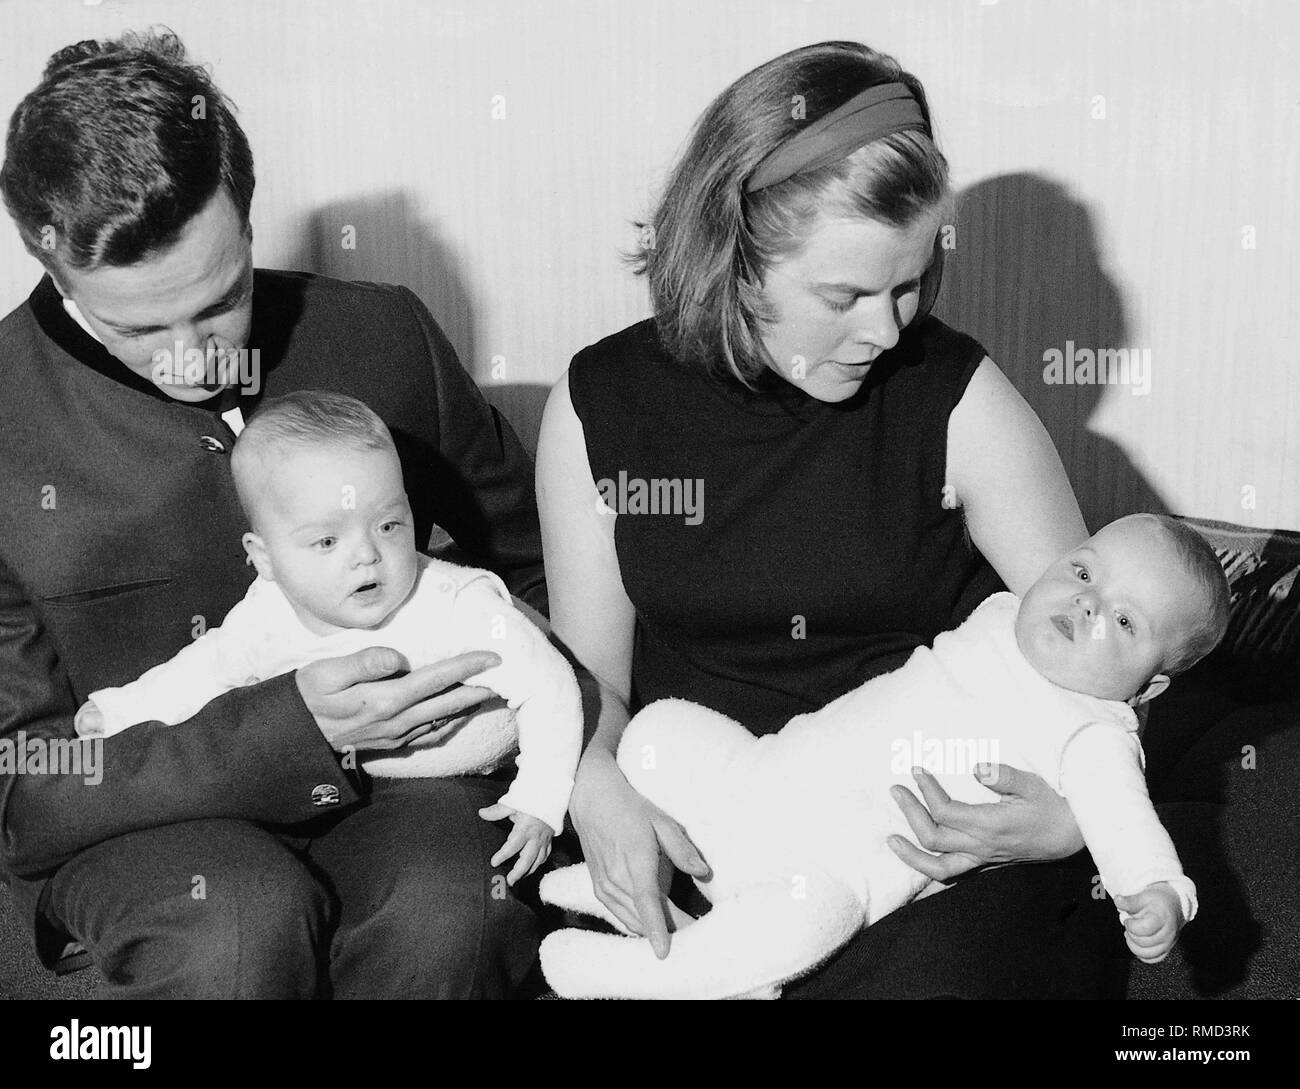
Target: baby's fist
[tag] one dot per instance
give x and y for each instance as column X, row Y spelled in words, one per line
column 89, row 721
column 1152, row 920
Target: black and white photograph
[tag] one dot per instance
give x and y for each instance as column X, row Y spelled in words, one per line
column 573, row 500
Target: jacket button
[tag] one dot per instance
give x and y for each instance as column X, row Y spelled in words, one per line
column 209, row 443
column 325, row 794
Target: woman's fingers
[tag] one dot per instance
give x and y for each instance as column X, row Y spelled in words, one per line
column 636, row 899
column 944, row 867
column 959, row 815
column 618, row 899
column 1008, row 781
column 931, row 836
column 677, row 845
column 650, row 908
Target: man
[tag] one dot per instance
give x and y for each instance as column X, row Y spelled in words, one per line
column 236, row 854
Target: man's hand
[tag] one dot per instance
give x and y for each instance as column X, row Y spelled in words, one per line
column 1030, row 823
column 630, row 846
column 1152, row 919
column 358, row 703
column 530, row 839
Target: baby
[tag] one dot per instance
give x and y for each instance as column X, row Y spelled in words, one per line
column 794, row 825
column 334, row 546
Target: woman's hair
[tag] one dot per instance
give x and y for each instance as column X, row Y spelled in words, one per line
column 117, row 148
column 709, row 244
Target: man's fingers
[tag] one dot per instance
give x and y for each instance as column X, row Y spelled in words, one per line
column 943, row 867
column 372, row 664
column 430, row 714
column 429, row 681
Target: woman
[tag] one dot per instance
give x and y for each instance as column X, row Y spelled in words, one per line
column 851, row 462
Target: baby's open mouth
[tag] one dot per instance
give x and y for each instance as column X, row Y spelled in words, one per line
column 1064, row 625
column 365, row 588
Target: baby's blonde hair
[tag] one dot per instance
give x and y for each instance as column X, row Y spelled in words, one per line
column 1200, row 562
column 303, row 419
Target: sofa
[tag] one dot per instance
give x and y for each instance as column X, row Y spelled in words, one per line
column 1223, row 764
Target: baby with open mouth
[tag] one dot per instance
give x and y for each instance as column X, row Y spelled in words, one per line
column 333, row 542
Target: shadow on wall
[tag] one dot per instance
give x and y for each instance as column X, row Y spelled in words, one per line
column 1026, row 277
column 384, row 238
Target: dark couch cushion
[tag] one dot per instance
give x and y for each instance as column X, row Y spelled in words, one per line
column 1258, row 659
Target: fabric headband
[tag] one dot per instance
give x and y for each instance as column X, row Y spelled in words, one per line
column 876, row 112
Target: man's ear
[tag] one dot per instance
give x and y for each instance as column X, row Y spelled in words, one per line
column 258, row 555
column 1150, row 690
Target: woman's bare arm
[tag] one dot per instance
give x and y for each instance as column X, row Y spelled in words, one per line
column 1009, row 480
column 1022, row 515
column 590, row 611
column 624, row 837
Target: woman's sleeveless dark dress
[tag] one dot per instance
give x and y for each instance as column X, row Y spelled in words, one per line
column 780, row 551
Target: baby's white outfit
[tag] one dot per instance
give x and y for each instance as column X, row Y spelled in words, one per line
column 794, row 824
column 451, row 610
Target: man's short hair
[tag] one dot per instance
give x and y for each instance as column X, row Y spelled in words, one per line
column 302, row 419
column 118, row 147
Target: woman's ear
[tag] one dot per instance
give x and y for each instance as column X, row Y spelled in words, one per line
column 258, row 556
column 1150, row 690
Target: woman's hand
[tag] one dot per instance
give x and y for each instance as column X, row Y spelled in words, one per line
column 1030, row 823
column 630, row 846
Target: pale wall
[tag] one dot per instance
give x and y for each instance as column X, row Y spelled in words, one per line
column 1115, row 231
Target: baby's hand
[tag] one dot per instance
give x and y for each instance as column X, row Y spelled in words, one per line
column 1154, row 918
column 530, row 839
column 89, row 721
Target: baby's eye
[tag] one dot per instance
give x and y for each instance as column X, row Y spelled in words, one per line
column 1124, row 622
column 390, row 527
column 324, row 544
column 840, row 306
column 1082, row 572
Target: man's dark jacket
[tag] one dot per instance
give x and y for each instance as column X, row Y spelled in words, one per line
column 120, row 540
